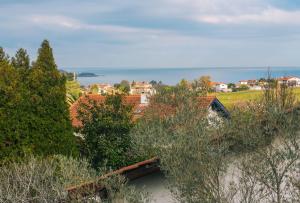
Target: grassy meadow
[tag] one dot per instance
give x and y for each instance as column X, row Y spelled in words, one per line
column 231, row 98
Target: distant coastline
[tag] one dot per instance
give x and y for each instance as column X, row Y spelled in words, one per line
column 171, row 76
column 87, row 74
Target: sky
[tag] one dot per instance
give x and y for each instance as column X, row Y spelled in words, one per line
column 155, row 33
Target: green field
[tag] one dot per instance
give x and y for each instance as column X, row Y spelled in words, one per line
column 231, row 98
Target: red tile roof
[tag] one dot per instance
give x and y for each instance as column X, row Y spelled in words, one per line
column 216, row 83
column 163, row 110
column 75, row 190
column 285, row 78
column 134, row 100
column 205, row 102
column 160, row 109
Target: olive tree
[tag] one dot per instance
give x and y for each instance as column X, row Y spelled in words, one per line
column 272, row 170
column 188, row 146
column 49, row 180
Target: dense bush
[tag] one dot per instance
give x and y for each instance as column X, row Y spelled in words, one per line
column 241, row 88
column 42, row 180
column 106, row 128
column 47, row 180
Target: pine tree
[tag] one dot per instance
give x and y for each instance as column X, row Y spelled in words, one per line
column 51, row 127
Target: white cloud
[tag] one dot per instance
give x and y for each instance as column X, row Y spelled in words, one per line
column 55, row 20
column 58, row 22
column 268, row 16
column 225, row 11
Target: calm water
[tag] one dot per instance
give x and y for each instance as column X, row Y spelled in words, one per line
column 171, row 76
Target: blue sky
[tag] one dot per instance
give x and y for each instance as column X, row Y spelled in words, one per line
column 156, row 33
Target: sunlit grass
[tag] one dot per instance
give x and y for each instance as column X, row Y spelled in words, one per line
column 232, row 98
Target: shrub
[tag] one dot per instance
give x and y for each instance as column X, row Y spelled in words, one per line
column 46, row 180
column 106, row 128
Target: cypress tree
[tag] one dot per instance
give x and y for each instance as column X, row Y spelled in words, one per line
column 50, row 124
column 21, row 60
column 3, row 57
column 12, row 129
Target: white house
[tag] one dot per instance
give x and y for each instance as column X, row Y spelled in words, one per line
column 243, row 82
column 248, row 82
column 141, row 88
column 105, row 89
column 256, row 87
column 221, row 87
column 290, row 81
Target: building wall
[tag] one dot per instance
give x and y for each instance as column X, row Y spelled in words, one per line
column 156, row 185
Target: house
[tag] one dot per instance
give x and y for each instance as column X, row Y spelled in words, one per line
column 105, row 89
column 102, row 88
column 214, row 106
column 256, row 87
column 220, row 87
column 139, row 103
column 210, row 104
column 146, row 174
column 290, row 81
column 248, row 82
column 243, row 82
column 141, row 88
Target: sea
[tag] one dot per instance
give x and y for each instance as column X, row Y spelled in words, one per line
column 171, row 76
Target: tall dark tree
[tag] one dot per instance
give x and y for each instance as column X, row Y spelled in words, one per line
column 12, row 140
column 50, row 125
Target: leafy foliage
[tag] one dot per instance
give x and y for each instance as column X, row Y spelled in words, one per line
column 106, row 132
column 197, row 156
column 21, row 60
column 184, row 142
column 123, row 87
column 47, row 180
column 52, row 131
column 34, row 113
column 13, row 139
column 74, row 91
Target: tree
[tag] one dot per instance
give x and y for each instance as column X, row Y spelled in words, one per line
column 272, row 168
column 14, row 114
column 183, row 141
column 12, row 130
column 21, row 60
column 34, row 116
column 50, row 125
column 200, row 160
column 125, row 86
column 242, row 88
column 106, row 129
column 94, row 89
column 74, row 91
column 153, row 82
column 4, row 58
column 48, row 180
column 202, row 85
column 184, row 84
column 231, row 85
